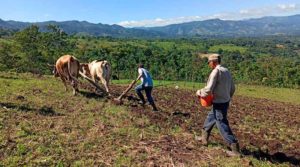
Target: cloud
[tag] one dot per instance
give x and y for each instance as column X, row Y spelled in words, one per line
column 47, row 15
column 288, row 7
column 159, row 21
column 279, row 9
column 267, row 11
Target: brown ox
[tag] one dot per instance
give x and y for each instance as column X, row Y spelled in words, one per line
column 98, row 70
column 67, row 68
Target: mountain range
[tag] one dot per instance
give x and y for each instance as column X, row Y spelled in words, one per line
column 265, row 26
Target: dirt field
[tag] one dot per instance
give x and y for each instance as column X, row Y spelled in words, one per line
column 42, row 125
column 265, row 129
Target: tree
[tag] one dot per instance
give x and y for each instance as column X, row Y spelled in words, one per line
column 8, row 58
column 55, row 43
column 29, row 41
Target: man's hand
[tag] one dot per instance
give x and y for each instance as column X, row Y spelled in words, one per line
column 138, row 77
column 198, row 93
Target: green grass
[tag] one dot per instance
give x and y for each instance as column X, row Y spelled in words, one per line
column 162, row 83
column 276, row 94
column 6, row 41
column 227, row 47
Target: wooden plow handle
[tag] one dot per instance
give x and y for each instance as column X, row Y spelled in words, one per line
column 127, row 90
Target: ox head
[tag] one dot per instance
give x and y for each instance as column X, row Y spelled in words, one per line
column 54, row 70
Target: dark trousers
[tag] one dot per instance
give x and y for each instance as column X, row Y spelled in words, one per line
column 148, row 90
column 218, row 115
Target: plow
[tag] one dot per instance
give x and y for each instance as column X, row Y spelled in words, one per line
column 117, row 100
column 93, row 83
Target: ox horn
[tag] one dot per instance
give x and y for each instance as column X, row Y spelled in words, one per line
column 50, row 65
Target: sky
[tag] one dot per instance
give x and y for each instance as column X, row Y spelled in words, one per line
column 143, row 13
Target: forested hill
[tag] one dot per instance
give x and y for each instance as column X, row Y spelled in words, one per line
column 83, row 28
column 266, row 26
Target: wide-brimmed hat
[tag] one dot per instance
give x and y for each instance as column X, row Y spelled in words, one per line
column 213, row 57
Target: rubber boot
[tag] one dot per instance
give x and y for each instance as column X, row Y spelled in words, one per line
column 204, row 137
column 142, row 103
column 235, row 150
column 154, row 108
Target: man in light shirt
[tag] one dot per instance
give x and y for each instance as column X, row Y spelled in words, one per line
column 147, row 85
column 220, row 85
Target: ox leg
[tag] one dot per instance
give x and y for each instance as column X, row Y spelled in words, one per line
column 74, row 92
column 105, row 83
column 65, row 83
column 75, row 87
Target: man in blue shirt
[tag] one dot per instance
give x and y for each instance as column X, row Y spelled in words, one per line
column 147, row 85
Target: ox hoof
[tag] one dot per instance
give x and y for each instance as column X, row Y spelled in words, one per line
column 75, row 93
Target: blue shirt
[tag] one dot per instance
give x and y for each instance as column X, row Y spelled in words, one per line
column 146, row 77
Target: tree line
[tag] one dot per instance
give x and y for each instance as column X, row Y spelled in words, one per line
column 272, row 61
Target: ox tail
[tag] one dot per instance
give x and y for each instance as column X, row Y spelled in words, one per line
column 108, row 71
column 69, row 69
column 107, row 65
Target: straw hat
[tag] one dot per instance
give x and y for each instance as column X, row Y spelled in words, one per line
column 213, row 57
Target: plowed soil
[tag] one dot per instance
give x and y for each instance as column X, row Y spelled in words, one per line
column 265, row 129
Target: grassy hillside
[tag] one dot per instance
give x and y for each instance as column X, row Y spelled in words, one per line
column 42, row 125
column 227, row 47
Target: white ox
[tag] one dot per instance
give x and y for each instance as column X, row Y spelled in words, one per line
column 98, row 70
